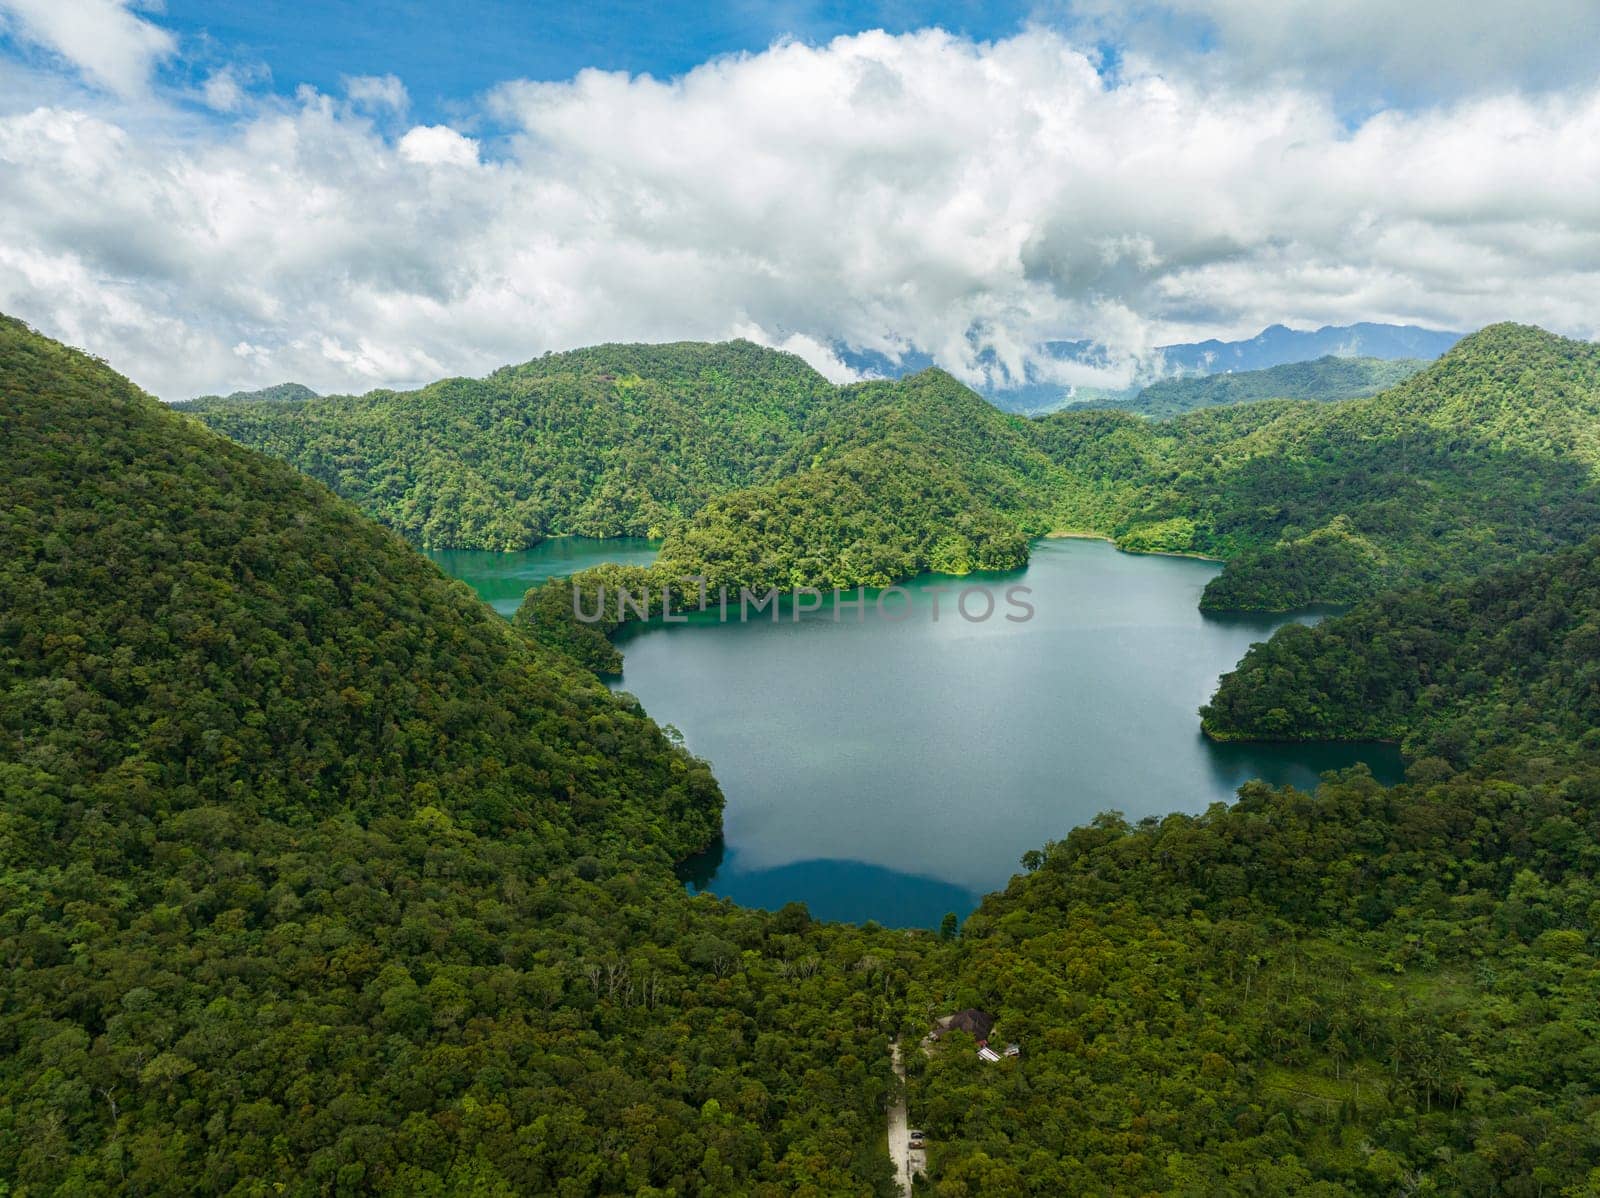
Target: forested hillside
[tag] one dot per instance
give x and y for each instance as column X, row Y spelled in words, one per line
column 1323, row 379
column 757, row 471
column 317, row 877
column 1365, row 992
column 619, row 440
column 1490, row 454
column 1510, row 659
column 1362, row 991
column 919, row 474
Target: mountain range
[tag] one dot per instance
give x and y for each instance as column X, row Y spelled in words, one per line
column 1275, row 345
column 1326, row 378
column 1278, row 344
column 758, row 472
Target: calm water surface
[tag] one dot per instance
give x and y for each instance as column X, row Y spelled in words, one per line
column 501, row 579
column 897, row 769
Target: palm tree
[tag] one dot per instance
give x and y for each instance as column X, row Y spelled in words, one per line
column 1358, row 1074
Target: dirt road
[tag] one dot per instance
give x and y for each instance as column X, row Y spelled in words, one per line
column 899, row 1127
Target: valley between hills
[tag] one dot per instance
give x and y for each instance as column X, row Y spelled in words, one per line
column 320, row 877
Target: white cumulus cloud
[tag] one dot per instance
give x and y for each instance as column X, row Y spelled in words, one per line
column 971, row 200
column 435, row 145
column 109, row 43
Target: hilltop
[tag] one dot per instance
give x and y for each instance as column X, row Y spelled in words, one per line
column 277, row 393
column 618, row 440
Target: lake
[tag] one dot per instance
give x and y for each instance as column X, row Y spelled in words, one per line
column 890, row 766
column 501, row 579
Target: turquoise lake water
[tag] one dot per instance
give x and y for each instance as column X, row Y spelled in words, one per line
column 501, row 579
column 891, row 766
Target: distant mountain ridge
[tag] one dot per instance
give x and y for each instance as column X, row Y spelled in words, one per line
column 1325, row 380
column 1276, row 345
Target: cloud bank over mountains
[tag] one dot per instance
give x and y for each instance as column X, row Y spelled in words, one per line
column 887, row 193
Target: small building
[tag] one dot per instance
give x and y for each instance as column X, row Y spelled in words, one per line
column 988, row 1054
column 978, row 1024
column 1013, row 1050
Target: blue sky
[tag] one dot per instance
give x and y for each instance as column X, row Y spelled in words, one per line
column 447, row 53
column 228, row 194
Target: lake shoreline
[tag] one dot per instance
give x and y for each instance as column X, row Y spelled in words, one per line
column 1112, row 541
column 957, row 747
column 1242, row 738
column 974, row 742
